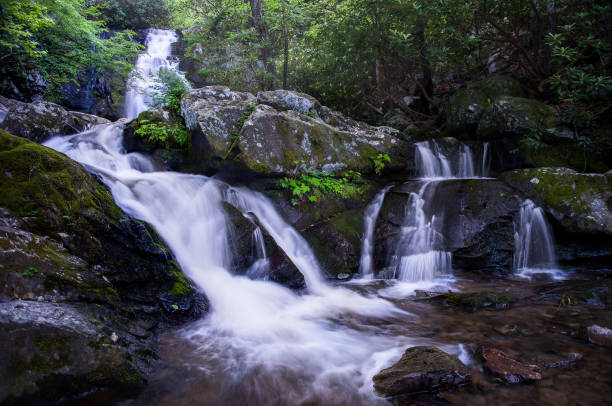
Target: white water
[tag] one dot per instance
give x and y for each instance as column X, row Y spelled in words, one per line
column 432, row 163
column 366, row 262
column 260, row 338
column 148, row 65
column 534, row 249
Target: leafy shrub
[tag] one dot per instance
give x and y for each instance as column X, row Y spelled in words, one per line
column 379, row 163
column 156, row 132
column 168, row 90
column 313, row 185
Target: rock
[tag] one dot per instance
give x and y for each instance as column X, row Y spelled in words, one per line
column 94, row 271
column 599, row 335
column 227, row 128
column 478, row 229
column 466, row 106
column 477, row 300
column 514, row 117
column 284, row 100
column 40, row 120
column 421, row 369
column 507, row 368
column 213, row 115
column 580, row 202
column 570, row 362
column 508, row 330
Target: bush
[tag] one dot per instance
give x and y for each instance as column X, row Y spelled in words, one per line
column 168, row 90
column 314, row 185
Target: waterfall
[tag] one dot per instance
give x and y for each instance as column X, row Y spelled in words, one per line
column 433, row 163
column 533, row 242
column 148, row 65
column 260, row 338
column 417, row 256
column 366, row 263
column 261, row 267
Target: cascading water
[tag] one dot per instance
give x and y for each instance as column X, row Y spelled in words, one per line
column 148, row 65
column 366, row 263
column 534, row 250
column 263, row 342
column 432, row 162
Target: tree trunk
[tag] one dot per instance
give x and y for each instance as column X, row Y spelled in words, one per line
column 426, row 88
column 286, row 45
column 259, row 23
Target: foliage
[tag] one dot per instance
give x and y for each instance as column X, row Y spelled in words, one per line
column 156, row 132
column 313, row 185
column 533, row 138
column 134, row 14
column 168, row 90
column 379, row 163
column 30, row 272
column 58, row 39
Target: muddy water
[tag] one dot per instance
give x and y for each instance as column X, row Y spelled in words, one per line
column 540, row 326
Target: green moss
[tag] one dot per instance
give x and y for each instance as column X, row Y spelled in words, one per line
column 182, row 285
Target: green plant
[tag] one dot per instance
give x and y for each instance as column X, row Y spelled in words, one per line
column 168, row 90
column 32, row 213
column 250, row 108
column 533, row 137
column 379, row 163
column 30, row 272
column 313, row 185
column 156, row 132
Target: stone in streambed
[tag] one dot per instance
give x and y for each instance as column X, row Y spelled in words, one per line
column 512, row 371
column 421, row 369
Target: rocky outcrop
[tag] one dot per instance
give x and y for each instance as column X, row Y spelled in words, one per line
column 580, row 202
column 421, row 369
column 467, row 105
column 300, row 135
column 514, row 117
column 478, row 228
column 83, row 287
column 40, row 120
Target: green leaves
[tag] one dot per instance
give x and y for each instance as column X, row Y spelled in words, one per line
column 168, row 89
column 314, row 185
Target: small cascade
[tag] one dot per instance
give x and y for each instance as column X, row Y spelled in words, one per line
column 148, row 65
column 260, row 268
column 433, row 163
column 366, row 263
column 533, row 241
column 417, row 256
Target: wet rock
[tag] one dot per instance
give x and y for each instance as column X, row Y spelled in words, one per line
column 570, row 362
column 92, row 268
column 467, row 106
column 476, row 300
column 599, row 335
column 478, row 230
column 40, row 120
column 580, row 202
column 284, row 100
column 510, row 370
column 514, row 117
column 421, row 369
column 508, row 330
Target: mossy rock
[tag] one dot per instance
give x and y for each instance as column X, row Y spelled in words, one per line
column 475, row 301
column 514, row 117
column 580, row 202
column 467, row 105
column 569, row 155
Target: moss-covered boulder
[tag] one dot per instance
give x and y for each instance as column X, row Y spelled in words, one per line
column 467, row 105
column 421, row 369
column 580, row 202
column 41, row 119
column 563, row 155
column 288, row 142
column 235, row 129
column 514, row 117
column 67, row 249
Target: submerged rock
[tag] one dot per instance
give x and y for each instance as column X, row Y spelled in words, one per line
column 93, row 272
column 599, row 335
column 421, row 369
column 40, row 120
column 510, row 370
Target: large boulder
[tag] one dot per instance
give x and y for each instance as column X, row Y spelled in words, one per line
column 421, row 369
column 40, row 120
column 297, row 136
column 478, row 229
column 93, row 285
column 514, row 117
column 467, row 105
column 580, row 202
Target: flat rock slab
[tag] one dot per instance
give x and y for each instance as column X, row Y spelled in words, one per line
column 512, row 371
column 421, row 369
